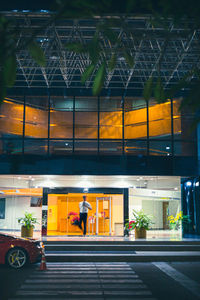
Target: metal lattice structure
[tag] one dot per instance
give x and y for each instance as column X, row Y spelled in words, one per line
column 145, row 42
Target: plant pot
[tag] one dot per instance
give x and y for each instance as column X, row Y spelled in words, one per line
column 26, row 232
column 140, row 233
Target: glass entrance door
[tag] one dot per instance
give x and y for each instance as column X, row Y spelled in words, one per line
column 103, row 216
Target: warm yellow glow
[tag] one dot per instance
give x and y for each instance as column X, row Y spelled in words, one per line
column 59, row 206
column 24, row 192
column 86, row 126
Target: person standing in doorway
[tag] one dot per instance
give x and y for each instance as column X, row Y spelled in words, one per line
column 83, row 207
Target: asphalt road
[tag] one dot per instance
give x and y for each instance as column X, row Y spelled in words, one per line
column 176, row 280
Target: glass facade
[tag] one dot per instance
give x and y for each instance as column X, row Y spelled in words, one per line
column 58, row 125
column 112, row 199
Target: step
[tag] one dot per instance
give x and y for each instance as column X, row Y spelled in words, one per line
column 116, row 247
column 134, row 256
column 86, row 241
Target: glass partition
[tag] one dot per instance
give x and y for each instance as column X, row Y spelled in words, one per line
column 159, row 119
column 135, row 119
column 105, row 218
column 36, row 117
column 62, row 125
column 11, row 119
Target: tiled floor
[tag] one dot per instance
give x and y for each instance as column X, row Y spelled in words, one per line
column 152, row 235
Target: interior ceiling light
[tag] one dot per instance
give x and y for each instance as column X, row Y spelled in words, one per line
column 47, row 183
column 122, row 184
column 85, row 184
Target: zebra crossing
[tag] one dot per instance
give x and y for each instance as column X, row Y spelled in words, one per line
column 102, row 281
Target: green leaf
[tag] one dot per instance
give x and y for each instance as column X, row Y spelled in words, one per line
column 37, row 53
column 159, row 93
column 112, row 62
column 94, row 49
column 108, row 32
column 129, row 59
column 130, row 5
column 148, row 88
column 3, row 89
column 76, row 47
column 9, row 70
column 99, row 80
column 87, row 73
column 182, row 83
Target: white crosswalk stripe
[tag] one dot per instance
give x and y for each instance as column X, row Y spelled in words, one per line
column 102, row 281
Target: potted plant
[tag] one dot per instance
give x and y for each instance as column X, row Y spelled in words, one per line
column 28, row 223
column 180, row 219
column 140, row 224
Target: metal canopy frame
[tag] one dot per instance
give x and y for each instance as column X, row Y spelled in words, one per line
column 145, row 42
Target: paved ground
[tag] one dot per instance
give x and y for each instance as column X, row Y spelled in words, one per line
column 106, row 281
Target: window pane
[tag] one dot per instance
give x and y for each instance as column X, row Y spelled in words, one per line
column 11, row 118
column 135, row 147
column 86, row 104
column 61, row 117
column 11, row 146
column 61, row 147
column 85, row 146
column 176, row 119
column 33, row 146
column 110, row 147
column 36, row 119
column 160, row 148
column 61, row 124
column 182, row 148
column 159, row 119
column 135, row 119
column 183, row 122
column 111, row 125
column 110, row 104
column 61, row 103
column 86, row 125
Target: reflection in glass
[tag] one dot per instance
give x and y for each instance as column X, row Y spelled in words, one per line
column 35, row 146
column 11, row 119
column 159, row 119
column 110, row 146
column 135, row 119
column 135, row 147
column 160, row 147
column 60, row 147
column 36, row 117
column 185, row 148
column 61, row 124
column 86, row 125
column 87, row 146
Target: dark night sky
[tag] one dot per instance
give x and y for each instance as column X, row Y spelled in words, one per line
column 25, row 4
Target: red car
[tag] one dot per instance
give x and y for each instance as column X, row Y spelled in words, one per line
column 16, row 251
